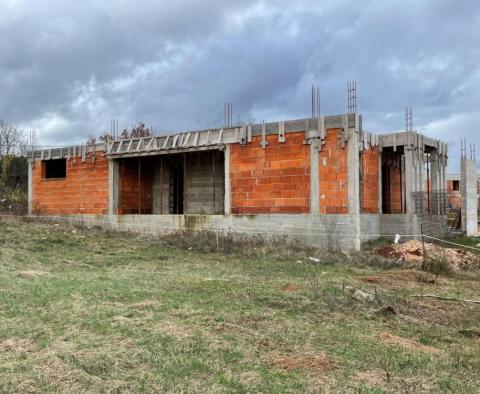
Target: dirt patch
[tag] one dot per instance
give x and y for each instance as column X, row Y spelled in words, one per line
column 32, row 274
column 412, row 252
column 470, row 333
column 18, row 346
column 27, row 387
column 438, row 312
column 147, row 304
column 372, row 378
column 401, row 278
column 288, row 288
column 68, row 379
column 406, row 343
column 310, row 362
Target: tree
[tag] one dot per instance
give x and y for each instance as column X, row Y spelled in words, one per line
column 12, row 140
column 136, row 131
column 13, row 168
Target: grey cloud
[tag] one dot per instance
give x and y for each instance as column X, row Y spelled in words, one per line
column 66, row 68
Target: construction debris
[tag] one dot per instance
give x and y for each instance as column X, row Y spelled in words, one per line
column 412, row 252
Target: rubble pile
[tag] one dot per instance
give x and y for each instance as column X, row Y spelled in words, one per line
column 412, row 252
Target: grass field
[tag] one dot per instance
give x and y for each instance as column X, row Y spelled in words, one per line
column 89, row 311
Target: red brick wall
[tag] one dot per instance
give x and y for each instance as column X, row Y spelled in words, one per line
column 135, row 192
column 454, row 199
column 83, row 191
column 271, row 180
column 333, row 174
column 370, row 161
column 395, row 190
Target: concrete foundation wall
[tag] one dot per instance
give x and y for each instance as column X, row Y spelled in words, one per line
column 335, row 232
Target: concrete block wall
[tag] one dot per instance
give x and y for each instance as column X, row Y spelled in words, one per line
column 333, row 174
column 83, row 191
column 161, row 186
column 274, row 179
column 204, row 183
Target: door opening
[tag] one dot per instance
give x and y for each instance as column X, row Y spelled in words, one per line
column 177, row 177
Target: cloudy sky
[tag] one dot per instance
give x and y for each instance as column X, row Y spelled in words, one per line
column 68, row 67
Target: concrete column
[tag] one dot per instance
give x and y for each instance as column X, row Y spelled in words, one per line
column 468, row 190
column 421, row 172
column 442, row 182
column 314, row 178
column 30, row 187
column 156, row 190
column 435, row 193
column 228, row 188
column 113, row 179
column 380, row 182
column 354, row 177
column 409, row 180
column 353, row 171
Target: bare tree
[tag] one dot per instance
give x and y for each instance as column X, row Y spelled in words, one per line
column 12, row 140
column 136, row 131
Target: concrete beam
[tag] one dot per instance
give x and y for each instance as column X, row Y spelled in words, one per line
column 113, row 179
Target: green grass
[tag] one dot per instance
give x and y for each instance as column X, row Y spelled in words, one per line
column 90, row 311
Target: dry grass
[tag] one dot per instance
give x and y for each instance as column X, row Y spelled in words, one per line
column 406, row 343
column 105, row 312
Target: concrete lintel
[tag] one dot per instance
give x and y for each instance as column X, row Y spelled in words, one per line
column 156, row 145
column 408, row 138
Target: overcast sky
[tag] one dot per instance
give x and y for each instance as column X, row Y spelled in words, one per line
column 68, row 67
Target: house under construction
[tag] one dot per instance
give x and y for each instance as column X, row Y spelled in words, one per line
column 322, row 180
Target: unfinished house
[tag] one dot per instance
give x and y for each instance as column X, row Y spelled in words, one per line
column 323, row 180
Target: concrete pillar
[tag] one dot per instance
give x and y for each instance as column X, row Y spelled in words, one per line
column 353, row 171
column 354, row 177
column 228, row 188
column 156, row 190
column 410, row 180
column 435, row 192
column 421, row 171
column 442, row 182
column 468, row 190
column 380, row 182
column 113, row 179
column 314, row 177
column 30, row 187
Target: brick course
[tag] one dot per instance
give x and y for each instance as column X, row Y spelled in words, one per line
column 370, row 161
column 271, row 180
column 333, row 174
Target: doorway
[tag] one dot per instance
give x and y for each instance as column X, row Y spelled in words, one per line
column 177, row 185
